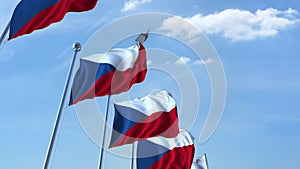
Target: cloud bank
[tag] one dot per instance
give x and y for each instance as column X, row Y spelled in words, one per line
column 235, row 24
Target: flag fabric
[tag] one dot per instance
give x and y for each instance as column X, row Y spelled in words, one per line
column 202, row 162
column 166, row 153
column 113, row 72
column 31, row 15
column 196, row 166
column 149, row 116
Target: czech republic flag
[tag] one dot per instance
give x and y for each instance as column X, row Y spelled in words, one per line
column 166, row 153
column 149, row 116
column 108, row 73
column 31, row 15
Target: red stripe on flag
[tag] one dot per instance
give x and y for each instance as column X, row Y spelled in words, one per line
column 54, row 14
column 161, row 123
column 177, row 158
column 117, row 82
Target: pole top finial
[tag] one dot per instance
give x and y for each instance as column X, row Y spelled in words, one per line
column 77, row 46
column 142, row 37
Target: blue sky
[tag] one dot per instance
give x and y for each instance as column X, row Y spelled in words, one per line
column 256, row 41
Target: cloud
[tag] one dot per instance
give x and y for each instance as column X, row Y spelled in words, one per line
column 186, row 60
column 132, row 4
column 234, row 24
column 182, row 61
column 149, row 62
column 204, row 62
column 177, row 27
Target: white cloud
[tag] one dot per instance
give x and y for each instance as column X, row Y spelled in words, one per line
column 186, row 60
column 149, row 62
column 176, row 27
column 132, row 4
column 234, row 24
column 182, row 61
column 204, row 62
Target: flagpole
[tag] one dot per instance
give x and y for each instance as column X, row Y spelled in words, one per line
column 77, row 48
column 140, row 39
column 4, row 34
column 132, row 156
column 206, row 161
column 104, row 133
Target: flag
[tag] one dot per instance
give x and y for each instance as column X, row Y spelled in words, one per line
column 195, row 166
column 201, row 163
column 166, row 153
column 113, row 72
column 31, row 15
column 149, row 116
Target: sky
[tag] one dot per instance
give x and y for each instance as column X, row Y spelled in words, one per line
column 246, row 58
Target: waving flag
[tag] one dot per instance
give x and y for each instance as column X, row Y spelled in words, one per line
column 166, row 153
column 202, row 162
column 31, row 15
column 152, row 115
column 113, row 72
column 196, row 166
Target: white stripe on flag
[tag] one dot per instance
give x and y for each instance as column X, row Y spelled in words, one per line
column 156, row 101
column 184, row 138
column 202, row 162
column 120, row 58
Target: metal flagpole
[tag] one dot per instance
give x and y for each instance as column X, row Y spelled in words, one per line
column 206, row 161
column 132, row 156
column 77, row 48
column 140, row 39
column 104, row 133
column 4, row 34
